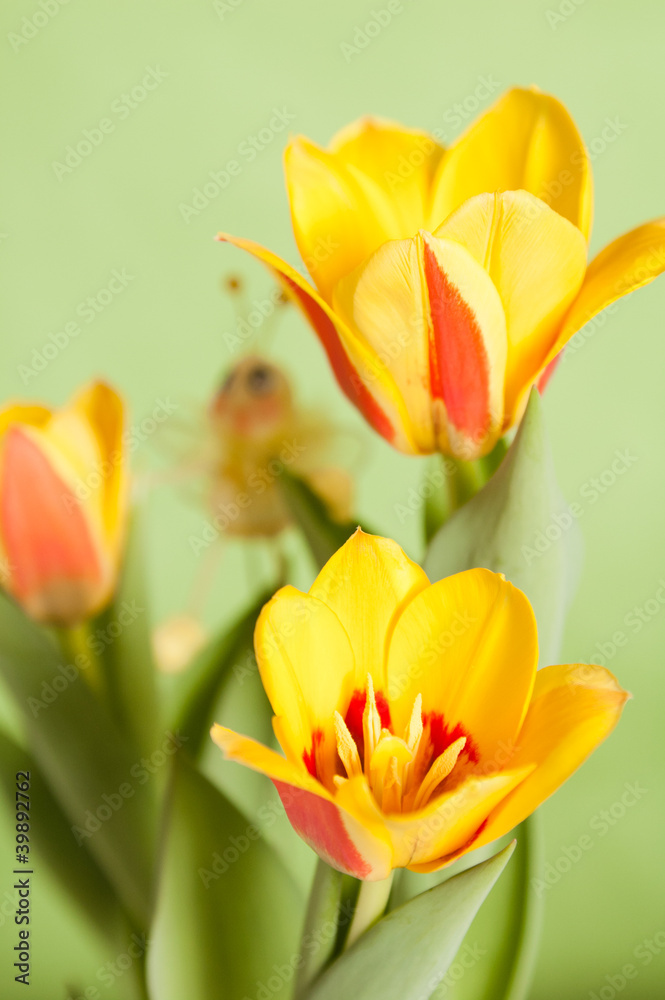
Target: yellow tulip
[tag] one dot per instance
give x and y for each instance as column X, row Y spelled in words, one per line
column 413, row 722
column 63, row 497
column 448, row 281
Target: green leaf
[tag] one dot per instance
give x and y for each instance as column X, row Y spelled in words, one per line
column 193, row 694
column 121, row 639
column 228, row 915
column 52, row 839
column 408, row 952
column 83, row 756
column 505, row 528
column 324, row 535
column 496, row 958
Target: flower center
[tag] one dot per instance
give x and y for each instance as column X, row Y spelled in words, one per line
column 398, row 769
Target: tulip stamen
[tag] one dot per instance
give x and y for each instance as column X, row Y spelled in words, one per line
column 414, row 730
column 371, row 724
column 439, row 770
column 347, row 748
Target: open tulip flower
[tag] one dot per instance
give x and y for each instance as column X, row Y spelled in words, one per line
column 448, row 281
column 62, row 503
column 414, row 723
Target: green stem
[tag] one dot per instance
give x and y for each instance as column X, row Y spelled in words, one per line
column 528, row 936
column 73, row 644
column 323, row 908
column 490, row 463
column 372, row 902
column 463, row 483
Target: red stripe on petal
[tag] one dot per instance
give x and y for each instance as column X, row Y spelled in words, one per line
column 320, row 824
column 441, row 736
column 345, row 373
column 45, row 532
column 309, row 756
column 459, row 364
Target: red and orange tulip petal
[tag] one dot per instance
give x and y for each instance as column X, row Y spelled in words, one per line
column 340, row 838
column 536, row 260
column 354, row 365
column 63, row 503
column 49, row 544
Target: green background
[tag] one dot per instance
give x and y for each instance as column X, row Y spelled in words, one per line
column 224, row 71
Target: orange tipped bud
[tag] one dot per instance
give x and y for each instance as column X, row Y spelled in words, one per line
column 62, row 504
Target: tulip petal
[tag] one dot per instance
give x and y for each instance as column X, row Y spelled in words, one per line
column 526, row 140
column 384, row 301
column 445, row 825
column 537, row 261
column 468, row 644
column 55, row 565
column 31, row 414
column 399, row 161
column 628, row 263
column 371, row 186
column 431, row 313
column 103, row 411
column 352, row 846
column 334, row 223
column 307, row 668
column 467, row 349
column 574, row 707
column 34, row 415
column 367, row 584
column 360, row 374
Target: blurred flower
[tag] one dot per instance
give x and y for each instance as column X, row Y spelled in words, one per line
column 414, row 724
column 258, row 432
column 176, row 642
column 63, row 499
column 449, row 281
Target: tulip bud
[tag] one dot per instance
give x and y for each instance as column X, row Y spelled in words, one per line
column 63, row 497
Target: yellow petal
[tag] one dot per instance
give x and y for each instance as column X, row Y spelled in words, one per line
column 442, row 827
column 360, row 373
column 367, row 583
column 372, row 185
column 102, row 409
column 334, row 223
column 526, row 140
column 467, row 643
column 357, row 846
column 32, row 414
column 537, row 261
column 384, row 301
column 629, row 262
column 400, row 162
column 308, row 670
column 573, row 709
